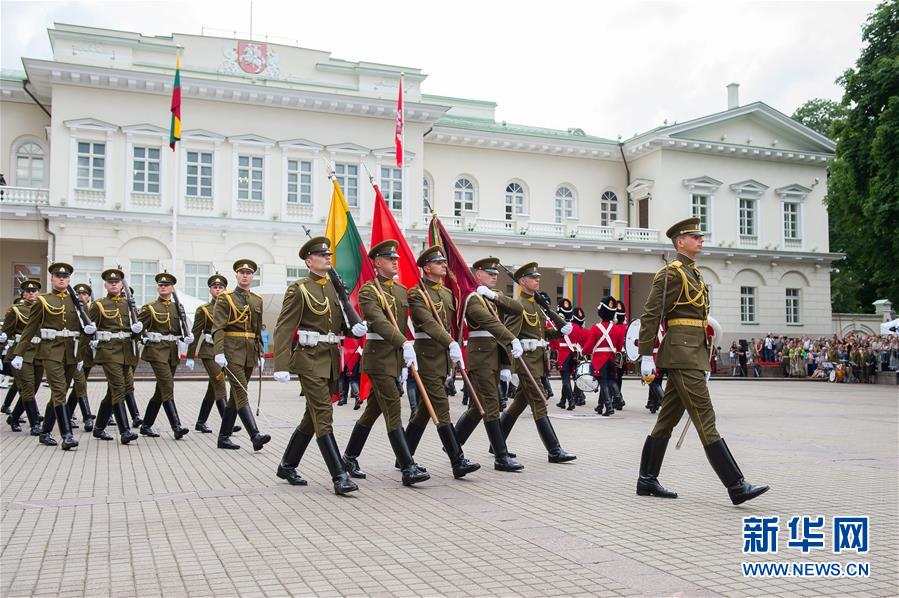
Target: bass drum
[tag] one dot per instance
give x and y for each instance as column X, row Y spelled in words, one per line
column 584, row 379
column 832, row 377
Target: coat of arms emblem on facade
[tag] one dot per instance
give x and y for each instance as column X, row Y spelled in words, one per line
column 254, row 58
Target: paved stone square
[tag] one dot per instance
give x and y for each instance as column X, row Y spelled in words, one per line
column 160, row 517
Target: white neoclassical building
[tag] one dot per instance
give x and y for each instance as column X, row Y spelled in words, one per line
column 91, row 179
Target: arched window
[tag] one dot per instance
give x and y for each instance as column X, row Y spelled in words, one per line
column 463, row 196
column 565, row 206
column 608, row 208
column 516, row 201
column 29, row 165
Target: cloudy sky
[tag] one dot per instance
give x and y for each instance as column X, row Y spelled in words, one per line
column 609, row 68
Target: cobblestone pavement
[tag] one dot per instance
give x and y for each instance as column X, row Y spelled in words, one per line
column 181, row 518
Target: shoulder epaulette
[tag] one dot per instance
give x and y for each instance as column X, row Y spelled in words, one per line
column 256, row 294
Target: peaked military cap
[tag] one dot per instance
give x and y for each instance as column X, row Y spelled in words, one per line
column 434, row 253
column 320, row 245
column 166, row 278
column 529, row 269
column 216, row 279
column 687, row 226
column 113, row 275
column 84, row 288
column 61, row 268
column 245, row 265
column 384, row 249
column 30, row 285
column 487, row 264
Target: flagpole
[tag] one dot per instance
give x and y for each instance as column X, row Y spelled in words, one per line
column 404, row 196
column 175, row 199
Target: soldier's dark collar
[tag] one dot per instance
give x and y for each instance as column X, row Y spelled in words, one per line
column 385, row 281
column 434, row 284
column 315, row 277
column 527, row 296
column 684, row 259
column 114, row 297
column 164, row 301
column 242, row 291
column 61, row 294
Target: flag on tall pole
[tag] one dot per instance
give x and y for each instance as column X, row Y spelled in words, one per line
column 383, row 227
column 175, row 130
column 398, row 137
column 460, row 281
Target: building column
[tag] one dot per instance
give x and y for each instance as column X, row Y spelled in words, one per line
column 572, row 284
column 621, row 288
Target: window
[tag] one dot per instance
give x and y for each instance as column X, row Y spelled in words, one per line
column 608, row 206
column 146, row 170
column 348, row 177
column 426, row 204
column 29, row 165
column 249, row 178
column 564, row 204
column 295, row 273
column 195, row 276
column 143, row 280
column 299, row 182
column 199, row 174
column 747, row 217
column 700, row 207
column 793, row 306
column 392, row 187
column 91, row 166
column 515, row 201
column 792, row 225
column 747, row 305
column 88, row 270
column 463, row 196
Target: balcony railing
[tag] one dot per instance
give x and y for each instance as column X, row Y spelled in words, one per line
column 548, row 230
column 24, row 196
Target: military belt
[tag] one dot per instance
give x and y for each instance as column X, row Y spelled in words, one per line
column 373, row 336
column 156, row 337
column 688, row 322
column 49, row 334
column 422, row 335
column 310, row 338
column 479, row 334
column 105, row 335
column 242, row 334
column 532, row 344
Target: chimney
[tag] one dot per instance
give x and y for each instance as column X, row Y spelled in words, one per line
column 733, row 96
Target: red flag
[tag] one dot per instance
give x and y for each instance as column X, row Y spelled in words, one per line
column 352, row 347
column 398, row 141
column 383, row 227
column 460, row 281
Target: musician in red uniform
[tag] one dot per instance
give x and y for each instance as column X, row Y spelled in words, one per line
column 602, row 341
column 620, row 321
column 567, row 352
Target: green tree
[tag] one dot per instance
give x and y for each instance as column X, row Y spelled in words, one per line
column 821, row 116
column 863, row 190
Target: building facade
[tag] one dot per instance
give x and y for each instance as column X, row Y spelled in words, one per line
column 91, row 179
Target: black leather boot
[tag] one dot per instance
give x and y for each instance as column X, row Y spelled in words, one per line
column 506, row 422
column 581, row 398
column 331, row 454
column 34, row 417
column 354, row 449
column 13, row 419
column 617, row 399
column 220, row 405
column 65, row 427
column 146, row 426
column 650, row 465
column 548, row 435
column 171, row 412
column 502, row 460
column 465, row 425
column 730, row 475
column 413, row 437
column 224, row 440
column 656, row 395
column 461, row 465
column 249, row 422
column 296, row 447
column 102, row 417
column 46, row 436
column 412, row 474
column 10, row 397
column 86, row 415
column 205, row 409
column 121, row 420
column 71, row 402
column 136, row 419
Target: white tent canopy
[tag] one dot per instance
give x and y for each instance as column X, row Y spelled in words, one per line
column 885, row 327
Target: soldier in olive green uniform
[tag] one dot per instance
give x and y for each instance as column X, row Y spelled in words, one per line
column 488, row 342
column 28, row 377
column 237, row 346
column 439, row 354
column 387, row 350
column 530, row 326
column 680, row 298
column 55, row 327
column 78, row 395
column 216, row 391
column 311, row 308
column 115, row 352
column 163, row 330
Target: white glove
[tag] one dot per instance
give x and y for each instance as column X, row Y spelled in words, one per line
column 455, row 352
column 79, row 365
column 505, row 375
column 189, row 364
column 94, row 344
column 647, row 366
column 2, row 337
column 708, row 376
column 404, row 375
column 567, row 328
column 261, row 362
column 137, row 328
column 281, row 377
column 17, row 362
column 189, row 339
column 359, row 329
column 485, row 292
column 90, row 329
column 409, row 354
column 517, row 351
column 220, row 359
column 516, row 380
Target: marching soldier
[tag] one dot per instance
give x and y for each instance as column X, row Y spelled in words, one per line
column 433, row 311
column 680, row 298
column 78, row 395
column 55, row 327
column 579, row 318
column 567, row 353
column 312, row 308
column 115, row 352
column 163, row 330
column 386, row 352
column 28, row 377
column 216, row 392
column 237, row 346
column 488, row 340
column 530, row 325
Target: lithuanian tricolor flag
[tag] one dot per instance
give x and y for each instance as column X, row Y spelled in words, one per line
column 175, row 130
